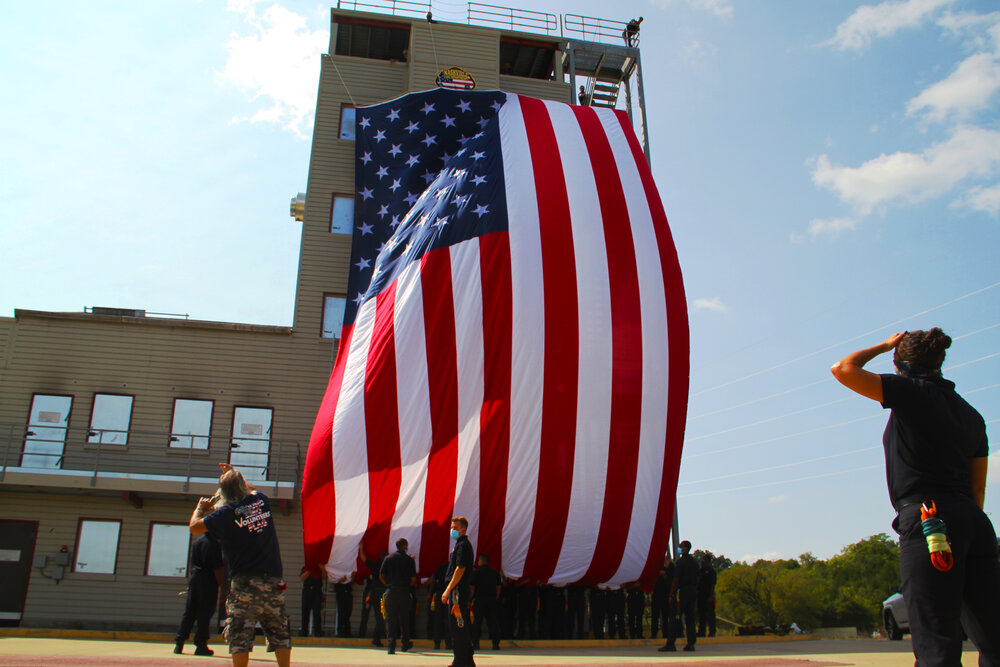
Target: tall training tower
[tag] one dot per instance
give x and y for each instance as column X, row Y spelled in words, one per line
column 385, row 48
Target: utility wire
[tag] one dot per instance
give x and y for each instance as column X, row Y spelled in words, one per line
column 782, row 465
column 784, row 437
column 783, row 481
column 759, row 400
column 836, row 345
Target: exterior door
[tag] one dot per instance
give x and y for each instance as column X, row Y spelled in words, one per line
column 17, row 548
column 251, row 441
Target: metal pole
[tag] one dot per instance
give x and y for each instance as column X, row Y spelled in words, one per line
column 642, row 108
column 675, row 532
column 572, row 74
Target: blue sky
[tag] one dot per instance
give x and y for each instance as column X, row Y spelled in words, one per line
column 831, row 171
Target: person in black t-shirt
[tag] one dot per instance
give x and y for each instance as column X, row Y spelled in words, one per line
column 936, row 457
column 312, row 599
column 202, row 594
column 245, row 528
column 706, row 597
column 456, row 593
column 685, row 586
column 399, row 574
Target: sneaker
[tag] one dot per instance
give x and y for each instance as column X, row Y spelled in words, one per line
column 179, row 647
column 407, row 646
column 689, row 647
column 203, row 650
column 667, row 648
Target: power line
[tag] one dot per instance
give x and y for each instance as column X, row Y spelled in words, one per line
column 836, row 345
column 770, row 419
column 759, row 400
column 784, row 437
column 783, row 465
column 776, row 483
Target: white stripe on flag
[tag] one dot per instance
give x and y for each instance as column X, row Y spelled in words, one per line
column 414, row 408
column 350, row 451
column 528, row 323
column 593, row 415
column 468, row 297
column 654, row 357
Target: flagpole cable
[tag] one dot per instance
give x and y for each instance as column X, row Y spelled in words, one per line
column 430, row 29
column 341, row 77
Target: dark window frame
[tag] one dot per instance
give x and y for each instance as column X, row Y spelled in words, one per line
column 211, row 423
column 27, row 423
column 322, row 317
column 149, row 550
column 79, row 532
column 128, row 427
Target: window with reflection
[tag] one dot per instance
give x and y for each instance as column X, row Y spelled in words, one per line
column 48, row 422
column 251, row 441
column 168, row 549
column 97, row 546
column 347, row 119
column 192, row 423
column 110, row 419
column 333, row 315
column 342, row 214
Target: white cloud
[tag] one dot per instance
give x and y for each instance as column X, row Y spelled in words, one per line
column 278, row 63
column 882, row 20
column 993, row 469
column 777, row 500
column 715, row 304
column 971, row 24
column 717, row 7
column 828, row 227
column 753, row 558
column 912, row 177
column 982, row 198
column 968, row 89
column 723, row 8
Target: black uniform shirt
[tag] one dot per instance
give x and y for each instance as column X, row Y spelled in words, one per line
column 706, row 580
column 486, row 580
column 461, row 556
column 930, row 439
column 206, row 557
column 398, row 568
column 375, row 585
column 686, row 572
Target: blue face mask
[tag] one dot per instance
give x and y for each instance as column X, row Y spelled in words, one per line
column 454, row 534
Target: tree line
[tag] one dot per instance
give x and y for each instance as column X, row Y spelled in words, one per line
column 845, row 590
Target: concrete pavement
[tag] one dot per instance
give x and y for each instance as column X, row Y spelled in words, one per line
column 39, row 648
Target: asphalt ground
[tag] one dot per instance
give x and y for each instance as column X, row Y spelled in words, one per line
column 41, row 648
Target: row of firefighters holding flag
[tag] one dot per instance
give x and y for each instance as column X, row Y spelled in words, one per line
column 682, row 603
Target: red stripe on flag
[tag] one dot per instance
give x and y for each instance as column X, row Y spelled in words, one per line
column 678, row 359
column 626, row 352
column 561, row 345
column 442, row 387
column 319, row 516
column 382, row 425
column 494, row 417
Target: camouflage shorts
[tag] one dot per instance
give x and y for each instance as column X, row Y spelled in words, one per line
column 254, row 599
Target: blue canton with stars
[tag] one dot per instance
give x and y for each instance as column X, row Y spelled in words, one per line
column 429, row 174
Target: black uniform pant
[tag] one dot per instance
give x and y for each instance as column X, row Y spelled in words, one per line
column 670, row 621
column 940, row 603
column 576, row 610
column 312, row 603
column 636, row 608
column 687, row 601
column 489, row 611
column 203, row 593
column 345, row 601
column 437, row 622
column 397, row 615
column 706, row 615
column 527, row 610
column 373, row 609
column 657, row 613
column 461, row 637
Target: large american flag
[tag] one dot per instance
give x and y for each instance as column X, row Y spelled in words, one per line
column 514, row 347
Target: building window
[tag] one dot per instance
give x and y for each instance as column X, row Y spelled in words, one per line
column 168, row 549
column 110, row 419
column 333, row 315
column 342, row 214
column 48, row 422
column 97, row 546
column 192, row 423
column 347, row 121
column 381, row 40
column 251, row 443
column 528, row 58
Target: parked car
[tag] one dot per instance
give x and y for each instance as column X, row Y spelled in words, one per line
column 894, row 617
